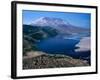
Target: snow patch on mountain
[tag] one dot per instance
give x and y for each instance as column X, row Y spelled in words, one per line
column 47, row 21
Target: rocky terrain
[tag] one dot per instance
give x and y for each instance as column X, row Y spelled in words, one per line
column 50, row 61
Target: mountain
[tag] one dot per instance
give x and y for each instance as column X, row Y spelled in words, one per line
column 59, row 24
column 47, row 21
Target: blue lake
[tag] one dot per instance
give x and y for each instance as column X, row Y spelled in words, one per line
column 57, row 45
column 62, row 46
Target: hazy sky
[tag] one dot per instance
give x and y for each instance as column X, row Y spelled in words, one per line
column 77, row 19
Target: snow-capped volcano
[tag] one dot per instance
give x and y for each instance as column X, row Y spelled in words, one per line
column 59, row 24
column 47, row 21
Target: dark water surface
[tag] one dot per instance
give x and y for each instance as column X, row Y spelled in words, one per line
column 62, row 46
